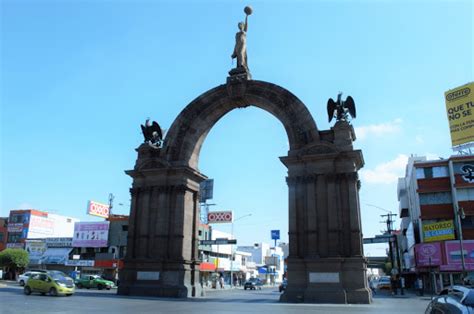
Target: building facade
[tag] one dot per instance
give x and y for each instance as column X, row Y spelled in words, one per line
column 3, row 232
column 35, row 224
column 436, row 199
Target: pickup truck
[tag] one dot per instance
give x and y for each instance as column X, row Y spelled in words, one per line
column 93, row 281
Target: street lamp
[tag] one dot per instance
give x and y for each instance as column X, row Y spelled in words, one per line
column 232, row 248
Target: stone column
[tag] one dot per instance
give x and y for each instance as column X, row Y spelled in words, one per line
column 162, row 259
column 326, row 263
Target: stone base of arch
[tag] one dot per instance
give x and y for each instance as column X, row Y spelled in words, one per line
column 327, row 280
column 162, row 243
column 159, row 279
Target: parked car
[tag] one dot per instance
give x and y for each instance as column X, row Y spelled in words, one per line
column 283, row 285
column 453, row 300
column 93, row 281
column 384, row 283
column 253, row 284
column 52, row 283
column 23, row 278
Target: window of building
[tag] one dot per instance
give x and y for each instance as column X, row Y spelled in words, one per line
column 468, row 222
column 428, row 172
column 125, row 228
column 440, row 172
column 14, row 237
column 200, row 232
column 435, row 198
column 1, row 237
column 465, row 194
column 19, row 219
column 420, row 173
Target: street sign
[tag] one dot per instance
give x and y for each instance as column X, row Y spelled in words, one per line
column 206, row 189
column 376, row 240
column 275, row 234
column 219, row 241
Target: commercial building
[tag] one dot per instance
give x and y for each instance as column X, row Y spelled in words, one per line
column 3, row 232
column 436, row 200
column 35, row 224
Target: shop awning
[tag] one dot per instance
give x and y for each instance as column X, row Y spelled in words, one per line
column 205, row 266
column 57, row 255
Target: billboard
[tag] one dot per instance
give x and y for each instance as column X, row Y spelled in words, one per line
column 220, row 217
column 428, row 254
column 438, row 231
column 453, row 253
column 35, row 249
column 98, row 209
column 459, row 107
column 41, row 225
column 90, row 234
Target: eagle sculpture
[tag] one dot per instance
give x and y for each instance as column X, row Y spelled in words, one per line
column 341, row 109
column 152, row 133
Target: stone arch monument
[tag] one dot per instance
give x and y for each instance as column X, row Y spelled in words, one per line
column 325, row 263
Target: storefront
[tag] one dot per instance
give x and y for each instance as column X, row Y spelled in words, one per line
column 441, row 263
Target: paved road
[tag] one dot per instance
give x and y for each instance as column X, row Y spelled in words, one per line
column 12, row 300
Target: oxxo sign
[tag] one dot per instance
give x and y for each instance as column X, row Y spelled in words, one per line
column 98, row 209
column 219, row 217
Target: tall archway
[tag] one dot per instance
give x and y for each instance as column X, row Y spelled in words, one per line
column 325, row 262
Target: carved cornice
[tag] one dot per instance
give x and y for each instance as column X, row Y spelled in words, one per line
column 180, row 188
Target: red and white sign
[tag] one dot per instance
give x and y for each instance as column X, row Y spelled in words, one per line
column 220, row 217
column 98, row 209
column 41, row 225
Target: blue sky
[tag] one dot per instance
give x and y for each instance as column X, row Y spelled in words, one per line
column 79, row 77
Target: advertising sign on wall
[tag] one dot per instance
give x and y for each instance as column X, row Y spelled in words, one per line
column 79, row 262
column 443, row 230
column 219, row 217
column 41, row 225
column 90, row 234
column 15, row 245
column 453, row 252
column 58, row 242
column 98, row 209
column 35, row 249
column 18, row 227
column 460, row 110
column 428, row 254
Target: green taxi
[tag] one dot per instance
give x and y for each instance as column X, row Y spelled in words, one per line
column 94, row 281
column 54, row 283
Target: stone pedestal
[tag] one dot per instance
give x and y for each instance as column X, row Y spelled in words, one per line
column 162, row 251
column 326, row 263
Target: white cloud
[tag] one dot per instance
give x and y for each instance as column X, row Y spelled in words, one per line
column 24, row 206
column 387, row 172
column 419, row 139
column 378, row 130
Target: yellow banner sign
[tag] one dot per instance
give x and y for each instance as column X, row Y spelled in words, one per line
column 443, row 230
column 460, row 109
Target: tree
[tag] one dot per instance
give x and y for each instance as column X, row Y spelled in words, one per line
column 14, row 259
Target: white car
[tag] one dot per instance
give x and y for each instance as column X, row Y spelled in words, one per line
column 23, row 278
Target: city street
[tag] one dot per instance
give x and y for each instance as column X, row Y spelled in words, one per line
column 237, row 300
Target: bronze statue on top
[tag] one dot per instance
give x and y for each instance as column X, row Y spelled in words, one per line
column 341, row 109
column 152, row 133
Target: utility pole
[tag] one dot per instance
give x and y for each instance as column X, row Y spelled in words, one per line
column 111, row 203
column 389, row 223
